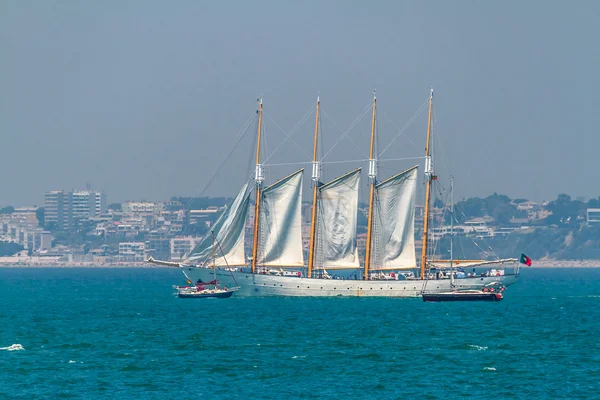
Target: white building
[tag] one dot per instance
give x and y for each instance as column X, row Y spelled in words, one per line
column 55, row 208
column 181, row 246
column 140, row 207
column 132, row 252
column 593, row 215
column 86, row 203
column 65, row 209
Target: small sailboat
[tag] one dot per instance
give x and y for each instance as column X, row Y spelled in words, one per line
column 490, row 292
column 202, row 290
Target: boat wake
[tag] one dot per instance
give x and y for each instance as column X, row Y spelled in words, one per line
column 13, row 347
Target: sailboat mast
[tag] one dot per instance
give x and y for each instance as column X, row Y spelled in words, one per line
column 315, row 181
column 212, row 251
column 451, row 230
column 258, row 179
column 429, row 176
column 372, row 179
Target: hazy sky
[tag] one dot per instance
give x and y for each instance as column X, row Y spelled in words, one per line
column 144, row 98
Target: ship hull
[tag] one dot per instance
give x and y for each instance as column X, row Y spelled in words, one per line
column 272, row 285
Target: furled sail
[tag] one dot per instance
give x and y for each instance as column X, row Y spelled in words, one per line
column 336, row 223
column 393, row 222
column 228, row 235
column 280, row 242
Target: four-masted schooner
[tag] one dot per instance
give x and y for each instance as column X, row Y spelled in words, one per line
column 277, row 267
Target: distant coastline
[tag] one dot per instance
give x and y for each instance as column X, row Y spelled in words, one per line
column 5, row 263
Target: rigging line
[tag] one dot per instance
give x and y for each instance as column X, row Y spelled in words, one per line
column 266, row 141
column 288, row 136
column 438, row 142
column 406, row 125
column 482, row 240
column 226, row 263
column 403, row 158
column 345, row 161
column 345, row 134
column 241, row 136
column 454, row 219
column 437, row 187
column 284, row 164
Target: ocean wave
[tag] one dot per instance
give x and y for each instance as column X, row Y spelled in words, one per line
column 475, row 347
column 13, row 347
column 489, row 369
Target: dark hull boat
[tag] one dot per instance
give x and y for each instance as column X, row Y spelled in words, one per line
column 216, row 293
column 466, row 295
column 204, row 290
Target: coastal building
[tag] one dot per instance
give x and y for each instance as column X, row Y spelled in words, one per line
column 45, row 241
column 593, row 215
column 180, row 246
column 21, row 226
column 55, row 209
column 158, row 245
column 204, row 216
column 65, row 210
column 132, row 252
column 140, row 208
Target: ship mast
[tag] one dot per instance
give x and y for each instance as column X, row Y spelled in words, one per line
column 212, row 254
column 315, row 182
column 372, row 179
column 258, row 179
column 429, row 177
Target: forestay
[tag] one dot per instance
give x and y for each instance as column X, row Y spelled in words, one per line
column 336, row 223
column 228, row 235
column 280, row 223
column 393, row 222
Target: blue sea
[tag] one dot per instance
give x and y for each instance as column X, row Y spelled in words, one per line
column 87, row 333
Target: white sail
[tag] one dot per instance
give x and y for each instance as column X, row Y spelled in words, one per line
column 280, row 240
column 393, row 222
column 336, row 223
column 228, row 235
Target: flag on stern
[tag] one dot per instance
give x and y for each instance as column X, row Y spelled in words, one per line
column 525, row 260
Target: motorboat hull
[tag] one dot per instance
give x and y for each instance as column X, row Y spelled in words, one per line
column 458, row 296
column 198, row 295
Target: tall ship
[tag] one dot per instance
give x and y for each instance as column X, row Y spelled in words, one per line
column 278, row 264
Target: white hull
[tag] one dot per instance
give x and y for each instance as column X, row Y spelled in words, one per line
column 271, row 285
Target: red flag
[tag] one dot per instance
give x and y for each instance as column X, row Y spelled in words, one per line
column 525, row 260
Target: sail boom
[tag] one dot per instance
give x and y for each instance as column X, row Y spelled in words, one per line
column 338, row 179
column 270, row 187
column 442, row 264
column 391, row 178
